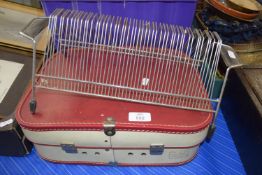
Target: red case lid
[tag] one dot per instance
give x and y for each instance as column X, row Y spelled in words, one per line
column 59, row 111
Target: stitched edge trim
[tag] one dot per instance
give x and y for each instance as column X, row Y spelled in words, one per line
column 132, row 130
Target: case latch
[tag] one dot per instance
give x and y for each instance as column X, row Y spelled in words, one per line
column 156, row 149
column 109, row 126
column 69, row 148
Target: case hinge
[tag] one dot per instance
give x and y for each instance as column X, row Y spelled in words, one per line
column 69, row 148
column 112, row 163
column 109, row 126
column 156, row 149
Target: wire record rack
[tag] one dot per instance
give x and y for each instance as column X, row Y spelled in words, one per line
column 127, row 59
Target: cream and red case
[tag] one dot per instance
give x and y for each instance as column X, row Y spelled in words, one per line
column 71, row 128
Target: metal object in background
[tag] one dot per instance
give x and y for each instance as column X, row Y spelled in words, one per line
column 131, row 60
column 225, row 8
column 246, row 6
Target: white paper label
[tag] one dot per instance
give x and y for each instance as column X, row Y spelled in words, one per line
column 139, row 116
column 231, row 54
column 145, row 81
column 8, row 72
column 7, row 122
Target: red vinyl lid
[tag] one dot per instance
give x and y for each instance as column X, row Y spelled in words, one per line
column 58, row 110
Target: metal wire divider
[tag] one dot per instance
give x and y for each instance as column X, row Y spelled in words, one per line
column 130, row 59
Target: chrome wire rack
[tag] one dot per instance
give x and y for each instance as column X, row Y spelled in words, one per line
column 128, row 59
